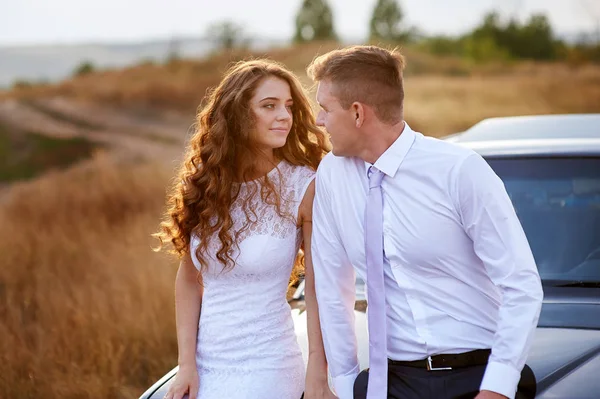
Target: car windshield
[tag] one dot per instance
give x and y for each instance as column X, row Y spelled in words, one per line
column 557, row 201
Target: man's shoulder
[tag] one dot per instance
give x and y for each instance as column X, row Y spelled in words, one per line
column 334, row 172
column 332, row 163
column 440, row 148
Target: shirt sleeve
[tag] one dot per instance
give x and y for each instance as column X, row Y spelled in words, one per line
column 335, row 289
column 499, row 241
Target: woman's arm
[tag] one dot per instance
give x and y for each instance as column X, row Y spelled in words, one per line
column 188, row 298
column 316, row 375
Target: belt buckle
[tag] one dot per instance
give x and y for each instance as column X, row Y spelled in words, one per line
column 431, row 368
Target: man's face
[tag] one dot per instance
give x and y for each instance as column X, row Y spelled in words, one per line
column 340, row 123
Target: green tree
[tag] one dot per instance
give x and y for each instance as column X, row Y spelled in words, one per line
column 490, row 28
column 443, row 45
column 534, row 40
column 484, row 49
column 84, row 68
column 227, row 35
column 314, row 21
column 385, row 21
column 537, row 39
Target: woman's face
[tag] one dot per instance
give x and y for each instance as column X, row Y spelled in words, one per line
column 272, row 107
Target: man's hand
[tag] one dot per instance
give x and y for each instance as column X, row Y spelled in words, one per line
column 490, row 395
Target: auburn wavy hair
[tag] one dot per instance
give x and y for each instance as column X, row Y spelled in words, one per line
column 221, row 154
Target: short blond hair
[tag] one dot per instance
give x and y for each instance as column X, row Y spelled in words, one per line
column 368, row 74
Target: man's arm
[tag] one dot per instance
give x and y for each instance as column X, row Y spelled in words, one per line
column 335, row 289
column 490, row 221
column 317, row 384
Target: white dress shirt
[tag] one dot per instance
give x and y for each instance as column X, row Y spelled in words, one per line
column 459, row 273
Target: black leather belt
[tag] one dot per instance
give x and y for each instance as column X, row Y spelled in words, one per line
column 477, row 357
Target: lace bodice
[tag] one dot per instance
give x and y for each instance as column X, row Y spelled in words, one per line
column 246, row 342
column 255, row 217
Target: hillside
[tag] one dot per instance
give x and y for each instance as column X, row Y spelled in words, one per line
column 148, row 108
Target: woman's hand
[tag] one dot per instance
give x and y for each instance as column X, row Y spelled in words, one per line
column 317, row 386
column 186, row 381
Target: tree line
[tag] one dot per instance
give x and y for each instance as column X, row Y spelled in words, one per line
column 492, row 39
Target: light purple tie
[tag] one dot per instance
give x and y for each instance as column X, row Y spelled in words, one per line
column 378, row 371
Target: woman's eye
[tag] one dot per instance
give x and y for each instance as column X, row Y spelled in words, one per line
column 270, row 106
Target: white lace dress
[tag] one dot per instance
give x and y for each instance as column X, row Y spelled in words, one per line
column 246, row 345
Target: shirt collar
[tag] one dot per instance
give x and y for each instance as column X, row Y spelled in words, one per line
column 390, row 160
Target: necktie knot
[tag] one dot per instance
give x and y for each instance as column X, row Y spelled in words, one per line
column 375, row 177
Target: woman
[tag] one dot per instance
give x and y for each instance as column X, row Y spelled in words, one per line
column 237, row 217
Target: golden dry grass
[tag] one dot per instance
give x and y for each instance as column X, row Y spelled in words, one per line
column 86, row 308
column 439, row 105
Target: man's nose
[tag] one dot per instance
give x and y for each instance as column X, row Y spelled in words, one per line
column 320, row 119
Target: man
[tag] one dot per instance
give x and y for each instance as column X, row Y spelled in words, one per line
column 453, row 291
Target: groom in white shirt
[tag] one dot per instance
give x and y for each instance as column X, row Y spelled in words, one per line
column 453, row 291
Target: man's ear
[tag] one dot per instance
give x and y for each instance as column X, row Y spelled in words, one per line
column 359, row 113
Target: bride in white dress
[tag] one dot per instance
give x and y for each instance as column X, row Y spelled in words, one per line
column 237, row 217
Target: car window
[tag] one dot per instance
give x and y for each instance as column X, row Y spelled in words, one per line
column 557, row 201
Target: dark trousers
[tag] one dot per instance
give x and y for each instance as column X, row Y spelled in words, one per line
column 461, row 383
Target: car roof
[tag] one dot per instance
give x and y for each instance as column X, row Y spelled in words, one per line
column 569, row 134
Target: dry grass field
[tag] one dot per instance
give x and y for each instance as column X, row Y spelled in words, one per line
column 86, row 308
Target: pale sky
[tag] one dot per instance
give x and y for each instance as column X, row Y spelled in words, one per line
column 80, row 21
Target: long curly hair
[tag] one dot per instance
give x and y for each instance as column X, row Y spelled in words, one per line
column 220, row 154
